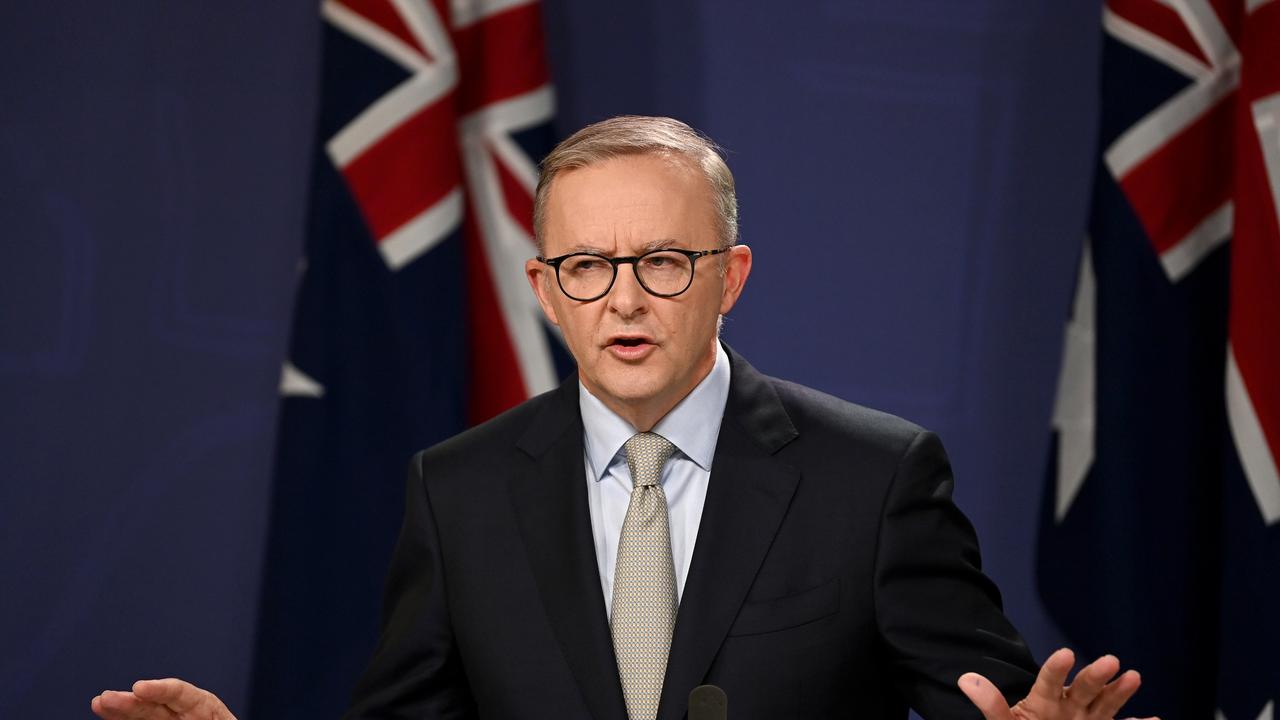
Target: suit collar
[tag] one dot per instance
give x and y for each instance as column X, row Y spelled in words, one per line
column 558, row 414
column 755, row 405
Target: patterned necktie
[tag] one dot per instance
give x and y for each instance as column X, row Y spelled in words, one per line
column 644, row 580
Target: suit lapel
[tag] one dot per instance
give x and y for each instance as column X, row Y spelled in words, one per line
column 555, row 523
column 748, row 496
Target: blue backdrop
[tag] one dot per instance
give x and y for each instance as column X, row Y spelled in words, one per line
column 913, row 177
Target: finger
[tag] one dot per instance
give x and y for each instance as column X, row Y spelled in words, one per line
column 1053, row 677
column 1116, row 694
column 178, row 695
column 183, row 698
column 985, row 696
column 1091, row 679
column 118, row 705
column 104, row 711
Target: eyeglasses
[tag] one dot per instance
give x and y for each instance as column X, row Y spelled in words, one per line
column 666, row 273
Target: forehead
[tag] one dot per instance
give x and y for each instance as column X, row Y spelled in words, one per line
column 625, row 203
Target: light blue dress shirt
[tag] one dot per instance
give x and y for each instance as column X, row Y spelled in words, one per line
column 692, row 426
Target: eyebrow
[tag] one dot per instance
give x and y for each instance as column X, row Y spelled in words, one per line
column 582, row 249
column 659, row 244
column 647, row 247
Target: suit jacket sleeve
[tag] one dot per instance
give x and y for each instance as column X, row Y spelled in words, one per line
column 938, row 614
column 416, row 670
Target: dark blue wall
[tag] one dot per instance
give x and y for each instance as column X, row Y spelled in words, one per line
column 913, row 179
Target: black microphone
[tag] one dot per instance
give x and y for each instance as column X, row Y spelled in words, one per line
column 708, row 702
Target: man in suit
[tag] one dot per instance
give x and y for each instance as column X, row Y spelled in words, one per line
column 671, row 517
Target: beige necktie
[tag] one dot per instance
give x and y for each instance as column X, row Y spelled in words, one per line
column 644, row 580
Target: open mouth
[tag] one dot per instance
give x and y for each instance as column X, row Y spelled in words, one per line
column 630, row 348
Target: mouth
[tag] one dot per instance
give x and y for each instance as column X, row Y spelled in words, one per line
column 630, row 347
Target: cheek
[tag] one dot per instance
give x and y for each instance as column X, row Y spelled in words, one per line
column 690, row 325
column 578, row 329
column 702, row 316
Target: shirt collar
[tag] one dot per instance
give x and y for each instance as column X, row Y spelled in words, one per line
column 693, row 425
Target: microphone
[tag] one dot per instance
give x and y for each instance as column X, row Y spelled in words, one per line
column 708, row 702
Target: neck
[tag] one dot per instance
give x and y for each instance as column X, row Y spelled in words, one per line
column 643, row 419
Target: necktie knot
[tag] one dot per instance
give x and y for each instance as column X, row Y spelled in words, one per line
column 647, row 453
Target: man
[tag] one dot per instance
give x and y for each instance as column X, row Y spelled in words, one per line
column 671, row 517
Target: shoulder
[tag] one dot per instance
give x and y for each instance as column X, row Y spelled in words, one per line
column 830, row 430
column 497, row 439
column 814, row 411
column 793, row 418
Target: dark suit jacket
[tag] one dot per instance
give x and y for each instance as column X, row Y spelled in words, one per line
column 832, row 575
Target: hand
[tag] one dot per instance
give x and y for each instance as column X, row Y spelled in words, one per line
column 169, row 699
column 1088, row 697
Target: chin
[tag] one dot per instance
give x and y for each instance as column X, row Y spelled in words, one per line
column 633, row 389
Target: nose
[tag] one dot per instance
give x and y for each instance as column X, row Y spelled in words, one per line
column 627, row 297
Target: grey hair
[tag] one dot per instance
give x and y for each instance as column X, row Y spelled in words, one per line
column 640, row 135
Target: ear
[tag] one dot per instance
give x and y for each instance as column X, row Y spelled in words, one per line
column 541, row 276
column 737, row 268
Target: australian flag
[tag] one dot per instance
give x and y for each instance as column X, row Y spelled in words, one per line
column 1160, row 537
column 413, row 318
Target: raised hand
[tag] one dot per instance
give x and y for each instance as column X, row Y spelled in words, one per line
column 169, row 699
column 1092, row 695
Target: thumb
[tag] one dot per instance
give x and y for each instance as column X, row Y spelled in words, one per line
column 985, row 696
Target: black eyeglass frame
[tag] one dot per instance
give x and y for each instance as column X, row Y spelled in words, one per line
column 631, row 260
